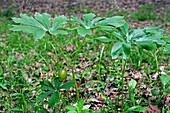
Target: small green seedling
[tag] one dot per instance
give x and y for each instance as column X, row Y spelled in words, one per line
column 54, row 90
column 79, row 108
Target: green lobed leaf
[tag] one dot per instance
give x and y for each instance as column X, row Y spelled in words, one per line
column 80, row 105
column 83, row 31
column 88, row 18
column 43, row 95
column 125, row 28
column 58, row 22
column 137, row 108
column 38, row 33
column 29, row 25
column 126, row 50
column 104, row 39
column 46, row 85
column 58, row 32
column 165, row 79
column 44, row 18
column 67, row 85
column 154, row 93
column 167, row 48
column 132, row 84
column 116, row 50
column 154, row 30
column 135, row 34
column 148, row 45
column 118, row 35
column 116, row 21
column 78, row 20
column 57, row 83
column 54, row 99
column 71, row 108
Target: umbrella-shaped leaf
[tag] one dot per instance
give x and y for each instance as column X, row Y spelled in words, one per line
column 54, row 99
column 29, row 25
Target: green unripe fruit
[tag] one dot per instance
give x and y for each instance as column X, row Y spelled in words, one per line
column 62, row 74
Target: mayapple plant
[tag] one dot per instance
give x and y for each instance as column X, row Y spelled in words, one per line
column 42, row 23
column 124, row 39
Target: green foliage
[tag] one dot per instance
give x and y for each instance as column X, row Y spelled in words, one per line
column 46, row 85
column 39, row 25
column 79, row 108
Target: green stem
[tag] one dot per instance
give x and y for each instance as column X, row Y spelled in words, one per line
column 74, row 79
column 123, row 72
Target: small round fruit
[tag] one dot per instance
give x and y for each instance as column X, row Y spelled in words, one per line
column 62, row 74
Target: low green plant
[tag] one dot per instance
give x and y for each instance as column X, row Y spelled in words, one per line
column 78, row 108
column 49, row 88
column 164, row 90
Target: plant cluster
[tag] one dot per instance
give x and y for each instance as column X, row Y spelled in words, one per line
column 113, row 31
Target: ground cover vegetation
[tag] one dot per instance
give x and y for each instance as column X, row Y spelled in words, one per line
column 83, row 65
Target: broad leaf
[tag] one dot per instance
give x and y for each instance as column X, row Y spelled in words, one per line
column 116, row 21
column 126, row 50
column 42, row 96
column 88, row 18
column 105, row 39
column 132, row 84
column 67, row 85
column 29, row 25
column 148, row 45
column 57, row 83
column 46, row 85
column 118, row 35
column 154, row 30
column 154, row 93
column 80, row 105
column 83, row 31
column 165, row 79
column 137, row 108
column 116, row 50
column 58, row 22
column 125, row 28
column 167, row 48
column 71, row 108
column 54, row 99
column 44, row 19
column 135, row 34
